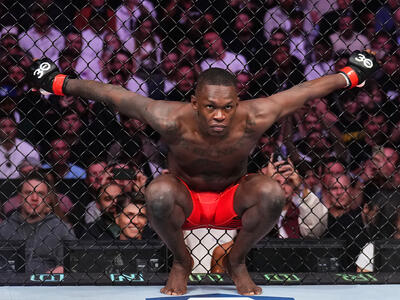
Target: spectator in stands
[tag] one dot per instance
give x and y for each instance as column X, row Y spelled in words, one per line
column 278, row 38
column 187, row 52
column 73, row 40
column 94, row 177
column 127, row 15
column 380, row 182
column 86, row 200
column 8, row 105
column 122, row 61
column 34, row 223
column 86, row 142
column 27, row 166
column 279, row 16
column 61, row 104
column 9, row 42
column 349, row 120
column 161, row 84
column 382, row 44
column 148, row 47
column 185, row 19
column 311, row 180
column 372, row 98
column 244, row 85
column 101, row 216
column 174, row 16
column 184, row 88
column 303, row 214
column 83, row 18
column 136, row 147
column 42, row 39
column 60, row 203
column 219, row 56
column 69, row 127
column 267, row 145
column 197, row 21
column 129, row 177
column 68, row 61
column 322, row 60
column 375, row 133
column 243, row 39
column 343, row 222
column 282, row 72
column 12, row 150
column 329, row 22
column 299, row 40
column 391, row 75
column 58, row 161
column 93, row 34
column 346, row 38
column 71, row 56
column 111, row 45
column 386, row 15
column 319, row 123
column 131, row 218
column 331, row 167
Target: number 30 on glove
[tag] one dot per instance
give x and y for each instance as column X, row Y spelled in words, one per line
column 44, row 76
column 361, row 65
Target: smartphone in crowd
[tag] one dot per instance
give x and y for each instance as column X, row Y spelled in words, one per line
column 123, row 174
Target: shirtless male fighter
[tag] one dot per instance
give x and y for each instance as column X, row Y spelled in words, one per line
column 209, row 142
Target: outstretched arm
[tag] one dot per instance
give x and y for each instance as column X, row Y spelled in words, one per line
column 290, row 100
column 126, row 102
column 268, row 110
column 361, row 65
column 158, row 114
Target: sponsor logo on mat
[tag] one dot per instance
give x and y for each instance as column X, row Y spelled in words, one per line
column 220, row 296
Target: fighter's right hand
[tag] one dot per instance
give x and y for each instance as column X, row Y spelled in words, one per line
column 45, row 77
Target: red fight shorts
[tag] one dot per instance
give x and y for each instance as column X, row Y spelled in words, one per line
column 213, row 210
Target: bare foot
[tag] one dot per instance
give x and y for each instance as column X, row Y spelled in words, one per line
column 178, row 277
column 241, row 277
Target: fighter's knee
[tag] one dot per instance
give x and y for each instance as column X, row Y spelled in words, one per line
column 160, row 198
column 271, row 196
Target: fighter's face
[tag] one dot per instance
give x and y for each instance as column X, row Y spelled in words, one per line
column 216, row 106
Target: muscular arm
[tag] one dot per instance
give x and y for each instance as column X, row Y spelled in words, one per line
column 281, row 104
column 158, row 114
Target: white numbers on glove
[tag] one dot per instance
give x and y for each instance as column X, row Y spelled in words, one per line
column 45, row 66
column 365, row 61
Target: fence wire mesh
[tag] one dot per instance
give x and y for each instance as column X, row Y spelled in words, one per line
column 73, row 171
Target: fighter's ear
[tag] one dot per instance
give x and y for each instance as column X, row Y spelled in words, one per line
column 194, row 102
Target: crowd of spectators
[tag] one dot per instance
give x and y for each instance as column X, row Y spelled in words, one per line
column 339, row 155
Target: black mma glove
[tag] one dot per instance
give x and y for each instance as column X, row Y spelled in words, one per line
column 360, row 66
column 45, row 77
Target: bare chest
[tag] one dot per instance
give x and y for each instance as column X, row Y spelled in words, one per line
column 195, row 157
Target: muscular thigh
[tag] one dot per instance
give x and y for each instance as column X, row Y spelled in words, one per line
column 252, row 189
column 169, row 188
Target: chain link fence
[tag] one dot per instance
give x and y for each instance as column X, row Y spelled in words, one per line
column 73, row 171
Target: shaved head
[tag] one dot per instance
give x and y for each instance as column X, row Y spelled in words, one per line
column 215, row 76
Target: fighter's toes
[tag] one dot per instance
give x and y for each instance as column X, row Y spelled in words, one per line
column 256, row 290
column 173, row 291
